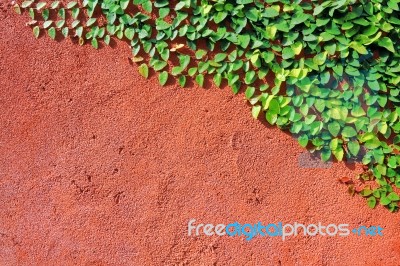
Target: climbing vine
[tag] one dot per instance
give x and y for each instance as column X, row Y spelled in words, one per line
column 326, row 71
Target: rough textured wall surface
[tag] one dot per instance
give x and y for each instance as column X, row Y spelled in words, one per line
column 99, row 166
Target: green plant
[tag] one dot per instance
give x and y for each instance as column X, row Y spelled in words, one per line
column 327, row 71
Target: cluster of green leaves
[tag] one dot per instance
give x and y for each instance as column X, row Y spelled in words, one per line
column 327, row 71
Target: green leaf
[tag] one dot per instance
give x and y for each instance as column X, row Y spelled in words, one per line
column 90, row 22
column 249, row 92
column 374, row 85
column 182, row 81
column 192, row 71
column 349, row 132
column 17, row 9
column 107, row 39
column 26, row 4
column 320, row 58
column 384, row 201
column 200, row 54
column 40, row 5
column 180, row 5
column 71, row 5
column 358, row 111
column 65, row 31
column 147, row 6
column 299, row 18
column 60, row 24
column 220, row 57
column 176, row 70
column 371, row 201
column 220, row 16
column 334, row 128
column 129, row 33
column 339, row 153
column 162, row 25
column 274, row 106
column 203, row 66
column 164, row 54
column 75, row 23
column 144, row 70
column 303, row 140
column 288, row 53
column 31, row 13
column 159, row 65
column 61, row 13
column 184, row 61
column 318, row 9
column 253, row 14
column 124, row 4
column 163, row 78
column 387, row 43
column 244, row 40
column 250, row 77
column 372, row 144
column 78, row 31
column 326, row 155
column 271, row 117
column 334, row 145
column 339, row 113
column 381, row 169
column 393, row 196
column 297, row 48
column 255, row 111
column 359, row 48
column 55, row 5
column 52, row 32
column 200, row 80
column 47, row 24
column 36, row 31
column 354, row 147
column 270, row 12
column 366, row 192
column 217, row 79
column 95, row 43
column 163, row 12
